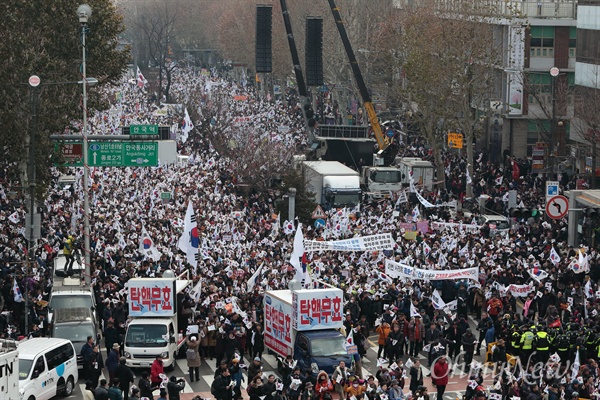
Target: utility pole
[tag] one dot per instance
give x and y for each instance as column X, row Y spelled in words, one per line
column 84, row 12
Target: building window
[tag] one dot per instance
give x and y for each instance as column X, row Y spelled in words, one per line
column 588, row 41
column 541, row 42
column 538, row 130
column 540, row 88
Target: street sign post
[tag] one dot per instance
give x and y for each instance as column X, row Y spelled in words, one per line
column 143, row 129
column 123, row 154
column 455, row 140
column 551, row 190
column 557, row 207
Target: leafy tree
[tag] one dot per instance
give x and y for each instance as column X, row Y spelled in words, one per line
column 43, row 38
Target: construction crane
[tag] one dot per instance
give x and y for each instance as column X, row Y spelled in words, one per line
column 387, row 149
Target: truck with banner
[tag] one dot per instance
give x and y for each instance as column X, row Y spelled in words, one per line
column 306, row 325
column 153, row 326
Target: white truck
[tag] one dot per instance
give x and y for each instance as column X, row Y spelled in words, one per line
column 378, row 182
column 333, row 184
column 422, row 172
column 305, row 324
column 153, row 327
column 9, row 370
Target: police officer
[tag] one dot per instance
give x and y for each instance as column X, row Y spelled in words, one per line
column 515, row 342
column 563, row 346
column 527, row 343
column 542, row 345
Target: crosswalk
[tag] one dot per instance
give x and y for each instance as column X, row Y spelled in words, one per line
column 208, row 368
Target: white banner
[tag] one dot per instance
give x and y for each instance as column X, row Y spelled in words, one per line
column 454, row 225
column 398, row 270
column 383, row 241
column 520, row 290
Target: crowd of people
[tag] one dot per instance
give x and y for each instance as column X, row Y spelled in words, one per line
column 239, row 231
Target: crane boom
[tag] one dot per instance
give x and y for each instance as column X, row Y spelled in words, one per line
column 382, row 141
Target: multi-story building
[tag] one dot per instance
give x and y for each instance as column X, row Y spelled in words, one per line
column 528, row 106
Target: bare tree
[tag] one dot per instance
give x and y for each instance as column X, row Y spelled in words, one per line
column 587, row 117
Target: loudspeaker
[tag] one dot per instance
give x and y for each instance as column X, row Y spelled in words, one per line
column 264, row 60
column 314, row 51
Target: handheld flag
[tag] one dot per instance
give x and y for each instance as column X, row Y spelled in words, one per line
column 18, row 297
column 252, row 281
column 554, row 257
column 14, row 217
column 147, row 247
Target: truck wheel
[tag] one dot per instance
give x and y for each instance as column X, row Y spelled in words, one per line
column 31, row 398
column 69, row 386
column 172, row 366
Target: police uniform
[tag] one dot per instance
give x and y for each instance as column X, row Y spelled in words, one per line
column 542, row 346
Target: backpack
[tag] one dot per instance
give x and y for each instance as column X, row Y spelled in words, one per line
column 190, row 354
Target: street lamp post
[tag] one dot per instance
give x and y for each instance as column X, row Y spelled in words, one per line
column 34, row 82
column 84, row 12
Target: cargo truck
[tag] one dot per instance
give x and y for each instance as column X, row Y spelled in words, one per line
column 153, row 326
column 306, row 324
column 333, row 184
column 422, row 172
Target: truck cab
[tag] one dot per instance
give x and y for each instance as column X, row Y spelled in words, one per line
column 321, row 351
column 153, row 328
column 378, row 182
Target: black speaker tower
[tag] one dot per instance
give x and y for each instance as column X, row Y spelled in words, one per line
column 264, row 60
column 314, row 51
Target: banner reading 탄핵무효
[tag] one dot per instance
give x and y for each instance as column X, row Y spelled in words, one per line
column 383, row 241
column 398, row 270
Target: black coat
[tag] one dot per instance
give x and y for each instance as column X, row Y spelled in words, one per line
column 415, row 379
column 222, row 392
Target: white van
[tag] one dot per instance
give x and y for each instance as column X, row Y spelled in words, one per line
column 47, row 368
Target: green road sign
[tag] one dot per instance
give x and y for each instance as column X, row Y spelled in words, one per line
column 143, row 129
column 140, row 154
column 123, row 154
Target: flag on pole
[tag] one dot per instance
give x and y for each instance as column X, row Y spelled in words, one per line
column 589, row 292
column 401, row 198
column 14, row 217
column 576, row 364
column 189, row 242
column 437, row 301
column 186, row 126
column 196, row 291
column 275, row 227
column 252, row 281
column 18, row 297
column 147, row 247
column 536, row 273
column 426, row 249
column 413, row 311
column 416, row 213
column 141, row 81
column 297, row 254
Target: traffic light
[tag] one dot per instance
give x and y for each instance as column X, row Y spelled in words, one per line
column 591, row 212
